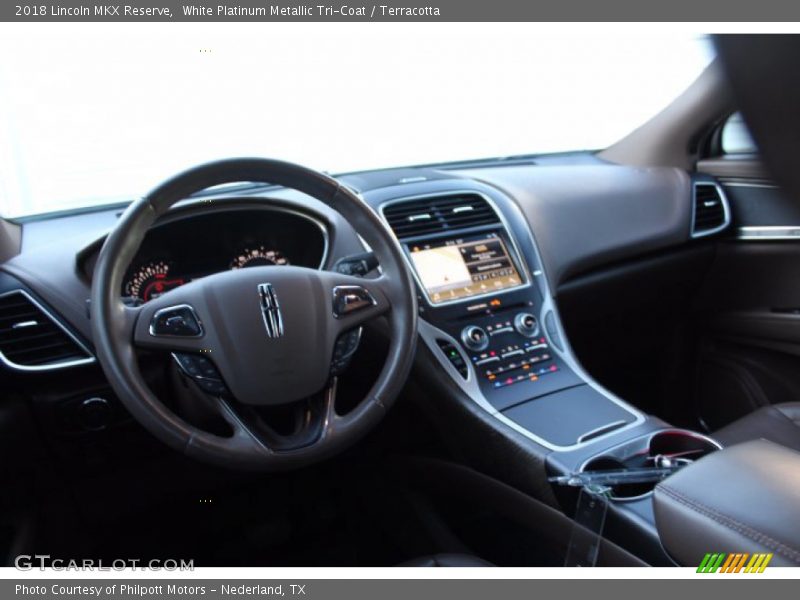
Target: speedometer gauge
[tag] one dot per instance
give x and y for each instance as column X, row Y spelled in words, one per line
column 150, row 281
column 257, row 257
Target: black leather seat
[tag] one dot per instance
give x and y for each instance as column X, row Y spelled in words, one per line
column 446, row 560
column 779, row 423
column 742, row 498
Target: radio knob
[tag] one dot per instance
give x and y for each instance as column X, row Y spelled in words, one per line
column 474, row 338
column 526, row 324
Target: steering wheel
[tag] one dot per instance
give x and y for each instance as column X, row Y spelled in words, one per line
column 259, row 337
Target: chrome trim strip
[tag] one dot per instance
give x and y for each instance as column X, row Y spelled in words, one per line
column 725, row 208
column 486, row 361
column 501, row 330
column 521, row 263
column 745, row 184
column 53, row 366
column 769, row 232
column 614, row 425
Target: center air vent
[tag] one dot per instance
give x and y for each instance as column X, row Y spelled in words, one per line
column 424, row 216
column 711, row 212
column 32, row 340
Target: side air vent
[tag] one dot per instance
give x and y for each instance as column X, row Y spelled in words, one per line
column 423, row 216
column 32, row 340
column 711, row 212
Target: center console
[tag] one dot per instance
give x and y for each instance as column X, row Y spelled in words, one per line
column 485, row 315
column 488, row 318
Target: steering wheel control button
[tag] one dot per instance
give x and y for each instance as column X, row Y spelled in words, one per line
column 474, row 338
column 202, row 371
column 196, row 366
column 176, row 321
column 189, row 364
column 454, row 356
column 215, row 387
column 526, row 324
column 358, row 265
column 350, row 298
column 343, row 350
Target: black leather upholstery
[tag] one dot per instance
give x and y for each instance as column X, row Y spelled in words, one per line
column 447, row 560
column 779, row 423
column 740, row 499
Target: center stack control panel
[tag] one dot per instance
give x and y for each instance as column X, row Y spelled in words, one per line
column 507, row 348
column 521, row 353
column 477, row 284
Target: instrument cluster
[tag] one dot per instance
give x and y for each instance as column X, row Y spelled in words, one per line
column 195, row 246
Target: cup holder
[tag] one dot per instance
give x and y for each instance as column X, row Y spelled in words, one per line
column 681, row 445
column 660, row 449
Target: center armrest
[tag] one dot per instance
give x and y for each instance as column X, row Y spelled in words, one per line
column 743, row 499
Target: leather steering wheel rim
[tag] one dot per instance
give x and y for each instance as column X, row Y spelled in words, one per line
column 116, row 327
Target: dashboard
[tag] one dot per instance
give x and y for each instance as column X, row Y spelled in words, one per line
column 486, row 248
column 189, row 247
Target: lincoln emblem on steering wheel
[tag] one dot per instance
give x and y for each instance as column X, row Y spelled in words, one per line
column 271, row 310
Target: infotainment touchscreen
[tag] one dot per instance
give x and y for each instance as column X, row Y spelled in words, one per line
column 462, row 267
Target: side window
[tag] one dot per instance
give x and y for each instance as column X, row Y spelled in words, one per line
column 736, row 137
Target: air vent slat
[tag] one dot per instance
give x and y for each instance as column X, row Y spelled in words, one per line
column 18, row 320
column 54, row 358
column 413, row 218
column 30, row 338
column 50, row 350
column 710, row 210
column 22, row 339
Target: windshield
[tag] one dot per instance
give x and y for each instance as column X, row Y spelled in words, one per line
column 97, row 114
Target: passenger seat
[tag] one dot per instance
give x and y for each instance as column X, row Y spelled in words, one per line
column 779, row 423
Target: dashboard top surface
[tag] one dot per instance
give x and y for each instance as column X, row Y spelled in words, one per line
column 571, row 209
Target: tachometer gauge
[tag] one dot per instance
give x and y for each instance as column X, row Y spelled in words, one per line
column 258, row 256
column 150, row 281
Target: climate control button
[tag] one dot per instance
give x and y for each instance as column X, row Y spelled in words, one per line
column 474, row 338
column 526, row 324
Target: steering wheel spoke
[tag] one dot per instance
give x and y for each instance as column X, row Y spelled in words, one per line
column 310, row 421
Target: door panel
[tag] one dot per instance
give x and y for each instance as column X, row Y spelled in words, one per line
column 761, row 205
column 749, row 354
column 734, row 165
